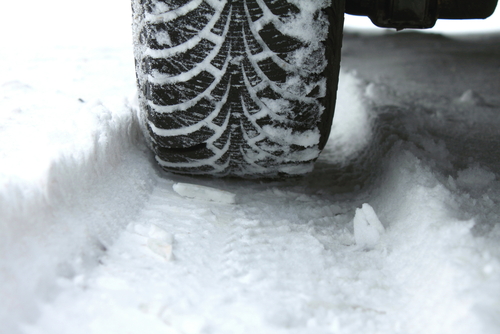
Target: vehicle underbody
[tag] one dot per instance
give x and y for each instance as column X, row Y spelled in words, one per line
column 420, row 14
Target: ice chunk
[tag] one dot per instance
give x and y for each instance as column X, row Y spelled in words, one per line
column 160, row 242
column 161, row 248
column 472, row 98
column 204, row 193
column 138, row 229
column 156, row 232
column 367, row 227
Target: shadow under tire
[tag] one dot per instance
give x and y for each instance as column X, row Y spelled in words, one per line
column 237, row 88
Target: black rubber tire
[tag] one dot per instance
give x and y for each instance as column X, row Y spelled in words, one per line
column 228, row 88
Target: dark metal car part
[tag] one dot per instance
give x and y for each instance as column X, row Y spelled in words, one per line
column 421, row 14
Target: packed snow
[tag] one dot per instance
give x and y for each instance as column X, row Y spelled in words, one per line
column 367, row 227
column 396, row 230
column 204, row 193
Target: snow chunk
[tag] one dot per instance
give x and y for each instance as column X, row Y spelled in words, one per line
column 367, row 227
column 160, row 248
column 156, row 232
column 475, row 178
column 472, row 98
column 138, row 229
column 307, row 138
column 160, row 242
column 204, row 193
column 311, row 25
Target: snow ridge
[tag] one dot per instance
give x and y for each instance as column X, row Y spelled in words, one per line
column 41, row 237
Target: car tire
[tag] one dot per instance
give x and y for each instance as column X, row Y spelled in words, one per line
column 237, row 88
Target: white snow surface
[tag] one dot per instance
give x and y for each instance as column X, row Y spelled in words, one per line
column 94, row 238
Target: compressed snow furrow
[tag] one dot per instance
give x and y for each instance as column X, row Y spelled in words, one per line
column 202, row 162
column 267, row 15
column 159, row 78
column 190, row 103
column 217, row 4
column 197, row 126
column 266, row 53
column 171, row 15
column 267, row 110
column 280, row 90
column 253, row 141
column 182, row 48
column 253, row 157
column 205, row 33
column 218, row 130
column 264, row 110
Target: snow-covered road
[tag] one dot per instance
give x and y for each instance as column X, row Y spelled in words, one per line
column 95, row 239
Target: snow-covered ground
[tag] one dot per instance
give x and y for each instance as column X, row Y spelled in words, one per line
column 397, row 230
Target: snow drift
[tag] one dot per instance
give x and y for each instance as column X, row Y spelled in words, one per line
column 62, row 157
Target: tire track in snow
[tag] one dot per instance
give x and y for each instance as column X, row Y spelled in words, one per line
column 282, row 259
column 229, row 273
